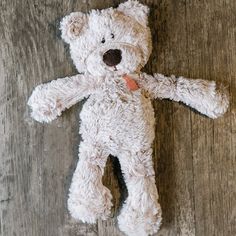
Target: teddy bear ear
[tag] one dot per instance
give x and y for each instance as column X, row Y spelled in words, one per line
column 72, row 25
column 136, row 10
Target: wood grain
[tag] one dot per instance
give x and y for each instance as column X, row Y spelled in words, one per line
column 194, row 157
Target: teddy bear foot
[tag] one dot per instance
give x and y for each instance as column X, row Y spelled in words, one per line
column 90, row 208
column 136, row 221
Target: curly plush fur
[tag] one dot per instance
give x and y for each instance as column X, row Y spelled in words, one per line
column 114, row 119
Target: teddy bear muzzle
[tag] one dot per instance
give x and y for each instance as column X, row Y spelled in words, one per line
column 112, row 57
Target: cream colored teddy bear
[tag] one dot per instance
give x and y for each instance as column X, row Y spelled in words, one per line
column 109, row 48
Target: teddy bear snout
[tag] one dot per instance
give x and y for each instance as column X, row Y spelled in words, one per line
column 112, row 57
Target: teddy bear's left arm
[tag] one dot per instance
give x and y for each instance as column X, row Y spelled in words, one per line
column 201, row 95
column 49, row 100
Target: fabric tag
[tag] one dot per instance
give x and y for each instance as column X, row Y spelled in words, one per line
column 130, row 83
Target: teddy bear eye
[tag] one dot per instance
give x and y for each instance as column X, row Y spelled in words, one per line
column 103, row 40
column 112, row 36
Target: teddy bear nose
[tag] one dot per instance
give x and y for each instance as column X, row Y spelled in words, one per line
column 112, row 57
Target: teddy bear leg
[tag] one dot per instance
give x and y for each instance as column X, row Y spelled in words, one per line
column 89, row 199
column 141, row 213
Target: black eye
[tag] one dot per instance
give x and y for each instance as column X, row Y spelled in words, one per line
column 103, row 40
column 112, row 36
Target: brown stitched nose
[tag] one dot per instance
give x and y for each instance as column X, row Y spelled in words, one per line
column 112, row 57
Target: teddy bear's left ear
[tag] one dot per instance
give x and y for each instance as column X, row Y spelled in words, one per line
column 136, row 10
column 72, row 25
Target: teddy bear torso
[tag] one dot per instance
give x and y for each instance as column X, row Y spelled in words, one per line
column 115, row 116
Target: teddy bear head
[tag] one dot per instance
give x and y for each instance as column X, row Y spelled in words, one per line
column 110, row 41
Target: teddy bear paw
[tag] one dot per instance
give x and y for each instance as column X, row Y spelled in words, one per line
column 135, row 221
column 43, row 107
column 91, row 207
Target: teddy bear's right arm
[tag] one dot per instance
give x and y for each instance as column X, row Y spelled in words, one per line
column 200, row 94
column 49, row 100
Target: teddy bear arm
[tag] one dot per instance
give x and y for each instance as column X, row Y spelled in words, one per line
column 202, row 95
column 199, row 94
column 49, row 100
column 158, row 85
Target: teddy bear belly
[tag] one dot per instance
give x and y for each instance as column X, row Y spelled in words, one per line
column 118, row 122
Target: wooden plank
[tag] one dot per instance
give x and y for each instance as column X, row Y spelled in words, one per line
column 194, row 157
column 173, row 145
column 211, row 34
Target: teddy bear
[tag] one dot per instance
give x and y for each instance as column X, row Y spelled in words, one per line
column 109, row 48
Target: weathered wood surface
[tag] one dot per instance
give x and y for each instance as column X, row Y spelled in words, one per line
column 195, row 157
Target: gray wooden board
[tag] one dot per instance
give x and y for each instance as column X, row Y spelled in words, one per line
column 194, row 157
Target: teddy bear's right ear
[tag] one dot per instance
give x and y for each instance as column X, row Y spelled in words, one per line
column 136, row 10
column 72, row 25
